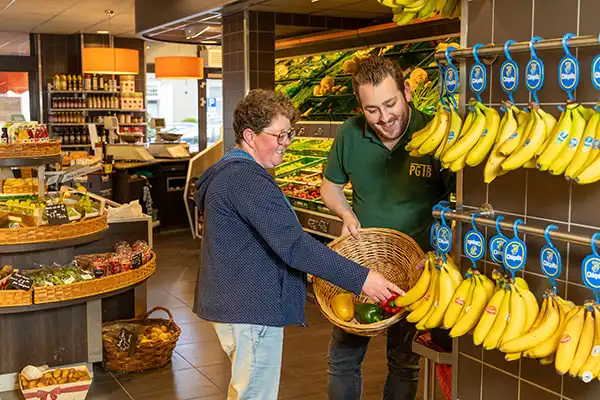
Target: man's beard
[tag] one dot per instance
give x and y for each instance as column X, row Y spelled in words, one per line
column 394, row 127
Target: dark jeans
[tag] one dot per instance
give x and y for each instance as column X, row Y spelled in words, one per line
column 347, row 352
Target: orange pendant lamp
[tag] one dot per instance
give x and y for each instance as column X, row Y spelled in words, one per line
column 110, row 60
column 179, row 67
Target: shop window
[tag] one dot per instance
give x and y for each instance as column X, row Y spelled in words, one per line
column 14, row 96
column 14, row 44
column 214, row 110
column 175, row 100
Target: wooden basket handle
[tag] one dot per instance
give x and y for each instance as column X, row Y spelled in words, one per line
column 159, row 308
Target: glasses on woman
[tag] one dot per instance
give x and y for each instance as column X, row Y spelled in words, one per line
column 282, row 136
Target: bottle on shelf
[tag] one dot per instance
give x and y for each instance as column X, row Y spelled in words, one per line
column 95, row 82
column 79, row 83
column 101, row 83
column 63, row 82
column 87, row 84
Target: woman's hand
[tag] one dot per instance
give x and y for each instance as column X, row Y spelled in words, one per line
column 378, row 288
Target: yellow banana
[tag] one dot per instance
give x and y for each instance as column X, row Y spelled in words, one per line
column 457, row 303
column 586, row 343
column 435, row 138
column 492, row 340
column 419, row 137
column 531, row 306
column 521, row 283
column 585, row 147
column 586, row 373
column 404, row 17
column 595, row 150
column 547, row 360
column 586, row 113
column 458, row 164
column 512, row 142
column 427, row 9
column 472, row 313
column 549, row 120
column 551, row 135
column 488, row 138
column 557, row 141
column 447, row 286
column 453, row 132
column 415, row 6
column 526, row 152
column 488, row 285
column 549, row 346
column 569, row 341
column 418, row 290
column 427, row 302
column 537, row 335
column 402, row 2
column 559, row 165
column 466, row 142
column 512, row 356
column 414, row 153
column 517, row 316
column 489, row 316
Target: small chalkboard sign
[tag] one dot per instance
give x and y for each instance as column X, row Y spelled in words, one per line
column 57, row 214
column 17, row 281
column 127, row 341
column 136, row 260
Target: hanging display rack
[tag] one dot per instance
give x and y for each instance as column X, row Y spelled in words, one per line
column 520, row 47
column 485, row 217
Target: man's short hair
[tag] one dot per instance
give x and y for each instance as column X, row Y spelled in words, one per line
column 258, row 109
column 373, row 70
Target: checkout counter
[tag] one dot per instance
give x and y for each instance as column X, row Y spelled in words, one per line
column 154, row 174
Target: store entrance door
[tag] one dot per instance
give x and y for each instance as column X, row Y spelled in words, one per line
column 214, row 110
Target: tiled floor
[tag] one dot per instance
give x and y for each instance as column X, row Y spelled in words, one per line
column 200, row 369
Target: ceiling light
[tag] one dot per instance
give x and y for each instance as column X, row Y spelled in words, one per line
column 103, row 32
column 110, row 60
column 178, row 67
column 313, row 1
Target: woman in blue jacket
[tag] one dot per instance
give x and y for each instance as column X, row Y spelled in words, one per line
column 255, row 255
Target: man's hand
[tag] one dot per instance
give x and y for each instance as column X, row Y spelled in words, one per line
column 378, row 288
column 421, row 264
column 350, row 224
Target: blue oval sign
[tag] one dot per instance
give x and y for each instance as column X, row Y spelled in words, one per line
column 433, row 235
column 596, row 72
column 451, row 79
column 550, row 261
column 474, row 245
column 590, row 271
column 515, row 254
column 497, row 249
column 534, row 74
column 444, row 239
column 478, row 79
column 509, row 76
column 568, row 73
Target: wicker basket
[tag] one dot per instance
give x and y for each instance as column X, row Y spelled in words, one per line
column 391, row 253
column 155, row 353
column 30, row 149
column 13, row 298
column 93, row 287
column 47, row 233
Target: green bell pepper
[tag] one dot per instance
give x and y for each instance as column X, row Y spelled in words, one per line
column 368, row 313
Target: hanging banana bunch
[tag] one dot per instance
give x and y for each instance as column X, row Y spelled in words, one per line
column 408, row 11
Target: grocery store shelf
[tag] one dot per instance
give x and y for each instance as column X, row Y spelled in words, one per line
column 70, row 146
column 29, row 161
column 120, row 124
column 96, row 109
column 83, row 92
column 64, row 124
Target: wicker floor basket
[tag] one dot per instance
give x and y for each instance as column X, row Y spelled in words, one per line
column 35, row 149
column 13, row 298
column 51, row 294
column 386, row 251
column 155, row 353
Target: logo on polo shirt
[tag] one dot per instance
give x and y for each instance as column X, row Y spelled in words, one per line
column 420, row 170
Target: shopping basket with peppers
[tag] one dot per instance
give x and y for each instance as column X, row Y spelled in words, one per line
column 389, row 252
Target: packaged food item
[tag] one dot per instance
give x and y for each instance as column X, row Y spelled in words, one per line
column 122, row 246
column 125, row 259
column 100, row 267
column 114, row 263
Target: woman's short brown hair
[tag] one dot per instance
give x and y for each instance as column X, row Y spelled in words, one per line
column 258, row 109
column 373, row 70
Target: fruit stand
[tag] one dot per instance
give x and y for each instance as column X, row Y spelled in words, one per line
column 54, row 278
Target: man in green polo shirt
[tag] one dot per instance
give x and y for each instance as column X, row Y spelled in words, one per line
column 391, row 189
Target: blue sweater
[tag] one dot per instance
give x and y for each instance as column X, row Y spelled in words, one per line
column 255, row 255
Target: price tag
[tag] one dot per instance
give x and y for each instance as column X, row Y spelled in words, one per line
column 515, row 252
column 497, row 244
column 18, row 281
column 136, row 260
column 127, row 341
column 57, row 214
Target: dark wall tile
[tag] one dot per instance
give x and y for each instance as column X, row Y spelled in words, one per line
column 466, row 346
column 266, row 41
column 578, row 294
column 577, row 390
column 234, row 82
column 531, row 392
column 266, row 80
column 469, row 385
column 496, row 358
column 266, row 21
column 545, row 376
column 586, row 91
column 539, row 284
column 521, row 95
column 577, row 253
column 498, row 386
column 585, row 200
column 547, row 196
column 551, row 92
column 266, row 61
column 588, row 20
column 554, row 18
column 231, row 98
column 512, row 20
column 507, row 192
column 480, row 22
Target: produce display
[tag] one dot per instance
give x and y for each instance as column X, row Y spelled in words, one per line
column 58, row 275
column 20, row 185
column 53, row 377
column 23, row 132
column 411, row 11
column 321, row 86
column 150, row 333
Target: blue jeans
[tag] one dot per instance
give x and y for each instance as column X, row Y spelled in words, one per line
column 255, row 353
column 347, row 352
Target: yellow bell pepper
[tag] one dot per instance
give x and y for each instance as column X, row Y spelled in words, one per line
column 343, row 306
